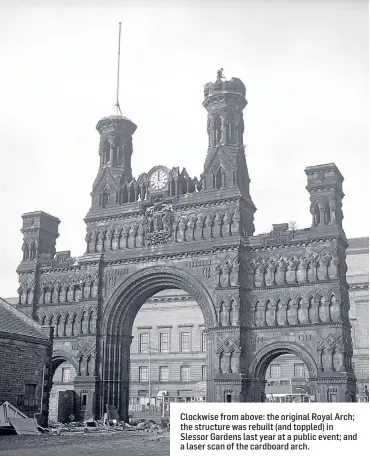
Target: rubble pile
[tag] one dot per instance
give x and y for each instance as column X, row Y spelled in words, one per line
column 141, row 426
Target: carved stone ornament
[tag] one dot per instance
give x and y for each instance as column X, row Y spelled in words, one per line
column 157, row 224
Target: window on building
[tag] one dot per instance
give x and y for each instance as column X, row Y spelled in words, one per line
column 184, row 342
column 164, row 342
column 204, row 372
column 144, row 342
column 299, row 370
column 142, row 393
column 143, row 374
column 163, row 373
column 185, row 373
column 83, row 401
column 66, row 374
column 204, row 341
column 274, row 371
column 29, row 399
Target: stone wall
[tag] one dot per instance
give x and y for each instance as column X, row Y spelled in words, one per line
column 22, row 364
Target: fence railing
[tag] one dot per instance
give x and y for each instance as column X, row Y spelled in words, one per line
column 158, row 406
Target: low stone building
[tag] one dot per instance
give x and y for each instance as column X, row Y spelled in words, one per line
column 25, row 362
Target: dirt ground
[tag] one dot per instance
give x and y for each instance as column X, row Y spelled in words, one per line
column 93, row 443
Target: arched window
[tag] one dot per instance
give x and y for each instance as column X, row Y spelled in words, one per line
column 80, row 361
column 132, row 193
column 32, row 251
column 123, row 198
column 90, row 326
column 88, row 363
column 57, row 328
column 316, row 215
column 218, row 130
column 82, row 325
column 218, row 179
column 106, row 152
column 327, row 214
column 118, row 152
column 104, row 199
column 66, row 322
column 73, row 327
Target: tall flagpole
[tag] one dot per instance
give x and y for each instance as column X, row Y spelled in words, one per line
column 118, row 108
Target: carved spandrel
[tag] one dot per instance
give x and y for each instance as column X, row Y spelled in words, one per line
column 202, row 268
column 158, row 225
column 113, row 276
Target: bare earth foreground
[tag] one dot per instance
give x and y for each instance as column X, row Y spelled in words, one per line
column 85, row 444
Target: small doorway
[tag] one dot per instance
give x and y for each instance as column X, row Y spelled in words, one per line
column 228, row 398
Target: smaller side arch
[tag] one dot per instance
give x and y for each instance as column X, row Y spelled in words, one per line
column 60, row 356
column 269, row 352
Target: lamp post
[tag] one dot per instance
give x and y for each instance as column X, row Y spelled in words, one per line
column 150, row 348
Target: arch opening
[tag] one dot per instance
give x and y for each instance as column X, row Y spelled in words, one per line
column 284, row 373
column 168, row 353
column 122, row 338
column 63, row 398
column 287, row 379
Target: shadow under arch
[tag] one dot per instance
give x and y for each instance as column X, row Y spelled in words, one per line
column 134, row 291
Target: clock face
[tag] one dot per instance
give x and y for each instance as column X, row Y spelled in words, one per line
column 158, row 179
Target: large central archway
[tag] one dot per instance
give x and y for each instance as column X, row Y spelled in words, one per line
column 117, row 322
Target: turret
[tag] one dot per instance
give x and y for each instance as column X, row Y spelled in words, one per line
column 225, row 167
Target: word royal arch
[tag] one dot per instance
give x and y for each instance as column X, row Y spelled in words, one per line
column 261, row 295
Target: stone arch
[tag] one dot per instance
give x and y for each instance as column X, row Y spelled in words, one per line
column 82, row 321
column 234, row 313
column 133, row 292
column 118, row 318
column 268, row 353
column 74, row 325
column 58, row 325
column 332, row 300
column 91, row 321
column 60, row 356
column 269, row 317
column 320, row 300
column 310, row 299
column 217, row 130
column 220, row 311
column 280, row 312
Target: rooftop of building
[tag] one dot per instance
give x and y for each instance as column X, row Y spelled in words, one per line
column 14, row 322
column 358, row 243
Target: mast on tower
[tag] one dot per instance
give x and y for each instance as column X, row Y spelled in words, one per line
column 118, row 108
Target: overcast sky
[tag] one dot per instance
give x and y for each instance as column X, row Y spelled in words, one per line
column 304, row 64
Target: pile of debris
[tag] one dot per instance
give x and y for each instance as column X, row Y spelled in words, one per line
column 13, row 421
column 91, row 425
column 150, row 425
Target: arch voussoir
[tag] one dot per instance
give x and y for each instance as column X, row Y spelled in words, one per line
column 132, row 293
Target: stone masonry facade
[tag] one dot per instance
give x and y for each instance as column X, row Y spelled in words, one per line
column 261, row 295
column 26, row 363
